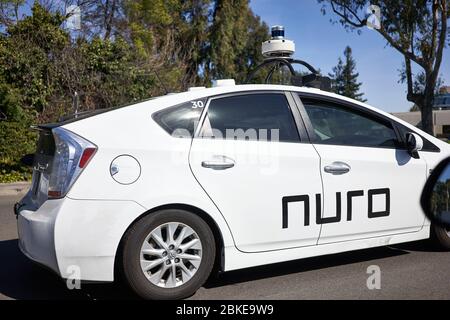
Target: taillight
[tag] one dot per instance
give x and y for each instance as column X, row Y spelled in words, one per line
column 72, row 154
column 88, row 153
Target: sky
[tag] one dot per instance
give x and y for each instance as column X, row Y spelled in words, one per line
column 320, row 43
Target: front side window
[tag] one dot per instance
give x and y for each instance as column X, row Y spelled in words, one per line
column 261, row 116
column 336, row 125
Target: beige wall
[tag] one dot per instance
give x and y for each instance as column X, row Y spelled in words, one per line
column 440, row 118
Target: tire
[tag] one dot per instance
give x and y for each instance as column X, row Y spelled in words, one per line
column 440, row 237
column 190, row 274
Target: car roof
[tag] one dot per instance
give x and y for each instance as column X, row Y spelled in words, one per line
column 172, row 99
column 199, row 93
column 215, row 91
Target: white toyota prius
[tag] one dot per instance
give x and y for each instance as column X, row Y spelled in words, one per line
column 167, row 191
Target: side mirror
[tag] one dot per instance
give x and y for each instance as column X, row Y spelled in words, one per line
column 414, row 144
column 435, row 198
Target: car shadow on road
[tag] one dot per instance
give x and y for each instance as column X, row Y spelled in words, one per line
column 305, row 265
column 22, row 279
column 420, row 246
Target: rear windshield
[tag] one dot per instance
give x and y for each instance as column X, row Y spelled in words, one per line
column 46, row 143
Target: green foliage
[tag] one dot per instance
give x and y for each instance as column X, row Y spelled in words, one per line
column 345, row 78
column 236, row 37
column 126, row 51
column 27, row 52
column 16, row 140
column 111, row 76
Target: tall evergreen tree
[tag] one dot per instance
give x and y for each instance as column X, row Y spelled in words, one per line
column 345, row 78
column 235, row 40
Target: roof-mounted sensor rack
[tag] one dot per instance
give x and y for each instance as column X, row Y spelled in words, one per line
column 278, row 52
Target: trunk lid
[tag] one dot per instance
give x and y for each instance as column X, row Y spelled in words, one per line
column 42, row 164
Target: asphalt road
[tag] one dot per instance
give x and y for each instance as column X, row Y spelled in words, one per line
column 408, row 271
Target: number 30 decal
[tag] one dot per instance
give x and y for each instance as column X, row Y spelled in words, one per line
column 197, row 104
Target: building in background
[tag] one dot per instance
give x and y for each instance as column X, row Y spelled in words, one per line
column 441, row 114
column 444, row 90
column 442, row 101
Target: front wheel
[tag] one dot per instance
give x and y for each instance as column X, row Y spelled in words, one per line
column 168, row 254
column 441, row 236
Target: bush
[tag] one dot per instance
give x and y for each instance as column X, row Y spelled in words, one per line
column 16, row 140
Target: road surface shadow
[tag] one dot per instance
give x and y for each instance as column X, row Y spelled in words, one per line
column 22, row 279
column 420, row 246
column 302, row 265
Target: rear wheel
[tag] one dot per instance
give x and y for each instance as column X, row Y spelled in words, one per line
column 168, row 254
column 441, row 236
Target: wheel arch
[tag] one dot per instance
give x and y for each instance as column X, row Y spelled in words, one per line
column 219, row 262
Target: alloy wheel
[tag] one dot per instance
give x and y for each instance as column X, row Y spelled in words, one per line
column 171, row 255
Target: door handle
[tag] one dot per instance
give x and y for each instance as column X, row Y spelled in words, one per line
column 219, row 163
column 337, row 168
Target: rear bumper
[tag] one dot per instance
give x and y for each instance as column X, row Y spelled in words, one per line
column 66, row 235
column 36, row 233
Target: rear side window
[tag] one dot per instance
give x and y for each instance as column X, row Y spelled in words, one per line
column 181, row 121
column 261, row 116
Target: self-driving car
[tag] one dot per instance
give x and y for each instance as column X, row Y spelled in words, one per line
column 168, row 191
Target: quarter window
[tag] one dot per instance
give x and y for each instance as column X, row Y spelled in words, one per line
column 264, row 117
column 336, row 125
column 181, row 121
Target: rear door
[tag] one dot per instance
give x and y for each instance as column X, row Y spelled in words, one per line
column 252, row 157
column 371, row 184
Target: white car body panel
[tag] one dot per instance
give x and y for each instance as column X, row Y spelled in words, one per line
column 372, row 169
column 86, row 227
column 250, row 194
column 239, row 260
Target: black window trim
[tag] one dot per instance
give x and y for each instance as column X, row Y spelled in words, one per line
column 299, row 124
column 299, row 96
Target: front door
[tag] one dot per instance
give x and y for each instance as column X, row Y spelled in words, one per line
column 371, row 185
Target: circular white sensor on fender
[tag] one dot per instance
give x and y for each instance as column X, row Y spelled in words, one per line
column 125, row 169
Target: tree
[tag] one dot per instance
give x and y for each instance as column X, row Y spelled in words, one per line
column 100, row 18
column 235, row 40
column 125, row 51
column 28, row 52
column 414, row 108
column 192, row 25
column 250, row 56
column 9, row 11
column 416, row 29
column 345, row 78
